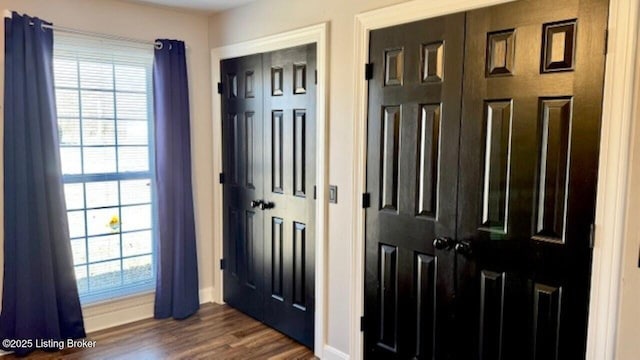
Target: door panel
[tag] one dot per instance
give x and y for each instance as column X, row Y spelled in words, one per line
column 269, row 159
column 414, row 121
column 528, row 159
column 242, row 146
column 289, row 167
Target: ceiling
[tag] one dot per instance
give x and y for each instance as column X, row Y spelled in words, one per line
column 209, row 6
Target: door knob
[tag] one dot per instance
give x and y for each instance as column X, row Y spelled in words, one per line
column 463, row 247
column 267, row 205
column 443, row 243
column 256, row 203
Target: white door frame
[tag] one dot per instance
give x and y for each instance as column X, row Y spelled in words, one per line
column 317, row 34
column 612, row 175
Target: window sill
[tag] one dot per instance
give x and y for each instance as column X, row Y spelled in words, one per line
column 117, row 294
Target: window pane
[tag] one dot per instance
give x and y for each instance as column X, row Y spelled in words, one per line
column 95, row 75
column 104, row 275
column 104, row 248
column 137, row 269
column 71, row 161
column 136, row 217
column 69, row 131
column 97, row 104
column 102, row 194
column 131, row 78
column 67, row 103
column 133, row 158
column 135, row 191
column 103, row 221
column 99, row 160
column 66, row 72
column 82, row 279
column 98, row 132
column 78, row 248
column 103, row 107
column 133, row 132
column 137, row 243
column 132, row 106
column 76, row 223
column 74, row 196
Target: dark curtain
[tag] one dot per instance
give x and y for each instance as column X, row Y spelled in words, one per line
column 40, row 295
column 177, row 268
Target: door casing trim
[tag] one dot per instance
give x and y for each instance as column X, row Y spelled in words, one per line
column 319, row 35
column 613, row 170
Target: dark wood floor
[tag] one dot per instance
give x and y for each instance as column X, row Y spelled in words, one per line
column 215, row 332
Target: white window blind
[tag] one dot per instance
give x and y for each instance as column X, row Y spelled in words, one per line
column 105, row 106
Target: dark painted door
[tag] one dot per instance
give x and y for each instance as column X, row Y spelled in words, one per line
column 290, row 173
column 270, row 167
column 413, row 132
column 512, row 280
column 529, row 159
column 243, row 144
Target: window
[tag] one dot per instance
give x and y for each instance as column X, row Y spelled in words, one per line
column 105, row 106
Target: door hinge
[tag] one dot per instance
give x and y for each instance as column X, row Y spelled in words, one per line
column 606, row 42
column 315, row 192
column 368, row 71
column 223, row 264
column 362, row 323
column 366, row 200
column 316, row 77
column 221, row 178
column 592, row 236
column 220, row 88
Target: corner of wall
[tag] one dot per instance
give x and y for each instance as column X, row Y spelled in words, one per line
column 626, row 347
column 210, row 29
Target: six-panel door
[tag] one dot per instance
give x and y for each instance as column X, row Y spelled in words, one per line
column 412, row 170
column 289, row 168
column 529, row 158
column 243, row 231
column 515, row 166
column 269, row 204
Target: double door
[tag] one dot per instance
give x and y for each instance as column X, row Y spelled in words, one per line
column 483, row 137
column 268, row 112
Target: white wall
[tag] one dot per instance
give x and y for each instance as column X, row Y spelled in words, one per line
column 628, row 347
column 266, row 17
column 147, row 23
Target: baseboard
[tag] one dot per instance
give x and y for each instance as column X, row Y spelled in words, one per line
column 331, row 353
column 127, row 310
